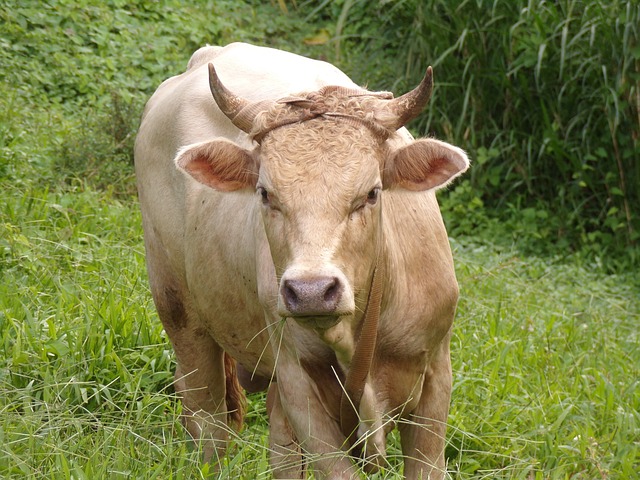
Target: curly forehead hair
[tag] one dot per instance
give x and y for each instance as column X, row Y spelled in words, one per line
column 342, row 104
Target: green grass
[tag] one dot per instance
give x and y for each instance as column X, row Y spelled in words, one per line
column 545, row 350
column 545, row 358
column 546, row 364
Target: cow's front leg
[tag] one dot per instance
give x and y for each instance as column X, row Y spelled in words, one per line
column 423, row 431
column 285, row 454
column 317, row 433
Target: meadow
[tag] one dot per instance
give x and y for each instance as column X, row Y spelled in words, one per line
column 545, row 350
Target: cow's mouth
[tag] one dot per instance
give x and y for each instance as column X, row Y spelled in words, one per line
column 317, row 322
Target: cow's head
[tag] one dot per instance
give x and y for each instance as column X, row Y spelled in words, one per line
column 320, row 166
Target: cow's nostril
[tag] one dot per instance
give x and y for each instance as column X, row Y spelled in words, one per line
column 289, row 294
column 332, row 293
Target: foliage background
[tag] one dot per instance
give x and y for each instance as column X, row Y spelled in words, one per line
column 543, row 95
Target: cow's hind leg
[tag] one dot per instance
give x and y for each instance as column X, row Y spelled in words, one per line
column 205, row 376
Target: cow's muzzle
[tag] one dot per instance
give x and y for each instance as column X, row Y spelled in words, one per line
column 312, row 297
column 315, row 296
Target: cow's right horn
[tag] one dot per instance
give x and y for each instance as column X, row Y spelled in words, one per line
column 240, row 111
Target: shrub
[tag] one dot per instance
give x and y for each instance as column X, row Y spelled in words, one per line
column 544, row 95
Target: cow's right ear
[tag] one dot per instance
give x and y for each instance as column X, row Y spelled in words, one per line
column 219, row 164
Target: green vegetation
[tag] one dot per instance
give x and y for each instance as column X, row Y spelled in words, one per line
column 545, row 350
column 544, row 95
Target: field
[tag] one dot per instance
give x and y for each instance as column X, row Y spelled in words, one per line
column 545, row 352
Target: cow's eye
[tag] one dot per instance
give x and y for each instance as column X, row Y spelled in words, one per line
column 370, row 199
column 372, row 196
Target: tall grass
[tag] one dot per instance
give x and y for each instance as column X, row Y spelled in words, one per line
column 544, row 95
column 545, row 367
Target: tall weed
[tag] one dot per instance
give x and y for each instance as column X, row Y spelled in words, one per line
column 544, row 95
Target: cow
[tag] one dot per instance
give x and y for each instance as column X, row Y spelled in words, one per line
column 294, row 242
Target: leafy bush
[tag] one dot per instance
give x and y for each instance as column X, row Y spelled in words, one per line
column 542, row 94
column 84, row 69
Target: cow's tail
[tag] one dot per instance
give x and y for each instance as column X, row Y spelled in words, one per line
column 236, row 401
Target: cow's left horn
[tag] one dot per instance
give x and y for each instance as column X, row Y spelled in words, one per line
column 237, row 109
column 409, row 105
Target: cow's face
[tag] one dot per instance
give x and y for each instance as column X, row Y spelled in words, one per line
column 319, row 173
column 319, row 187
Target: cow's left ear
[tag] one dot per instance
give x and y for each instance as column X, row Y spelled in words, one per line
column 423, row 165
column 219, row 164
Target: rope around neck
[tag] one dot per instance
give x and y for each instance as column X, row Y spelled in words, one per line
column 363, row 356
